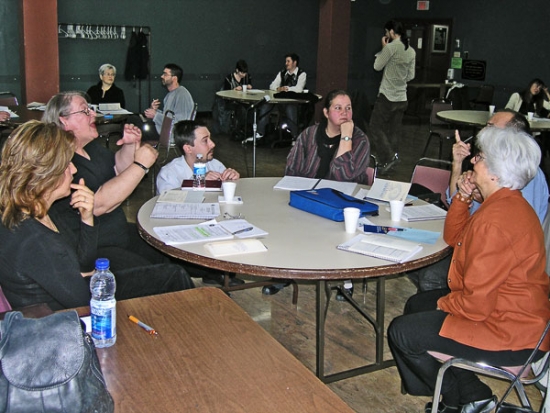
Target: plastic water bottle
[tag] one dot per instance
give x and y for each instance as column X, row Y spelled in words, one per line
column 199, row 173
column 103, row 304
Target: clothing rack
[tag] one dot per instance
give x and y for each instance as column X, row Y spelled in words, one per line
column 88, row 31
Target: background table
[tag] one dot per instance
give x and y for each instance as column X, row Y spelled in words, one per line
column 210, row 356
column 250, row 97
column 300, row 246
column 479, row 119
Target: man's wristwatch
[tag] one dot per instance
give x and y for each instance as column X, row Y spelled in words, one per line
column 142, row 166
column 345, row 138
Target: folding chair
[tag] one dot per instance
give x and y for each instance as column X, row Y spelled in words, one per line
column 484, row 99
column 8, row 99
column 160, row 144
column 438, row 127
column 517, row 375
column 372, row 170
column 433, row 174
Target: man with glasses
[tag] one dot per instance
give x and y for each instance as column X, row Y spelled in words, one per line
column 178, row 99
column 434, row 277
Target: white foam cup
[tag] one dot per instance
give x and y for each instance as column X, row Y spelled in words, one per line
column 228, row 188
column 351, row 217
column 396, row 209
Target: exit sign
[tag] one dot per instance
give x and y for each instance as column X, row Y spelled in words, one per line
column 422, row 5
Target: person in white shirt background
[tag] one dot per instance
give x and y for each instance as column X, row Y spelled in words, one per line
column 192, row 138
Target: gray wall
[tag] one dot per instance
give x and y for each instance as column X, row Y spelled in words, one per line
column 10, row 79
column 509, row 35
column 206, row 37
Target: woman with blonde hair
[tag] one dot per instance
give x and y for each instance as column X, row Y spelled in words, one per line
column 42, row 260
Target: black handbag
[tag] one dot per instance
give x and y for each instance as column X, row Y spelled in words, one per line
column 50, row 365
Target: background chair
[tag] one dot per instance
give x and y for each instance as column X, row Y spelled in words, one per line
column 194, row 112
column 439, row 128
column 372, row 170
column 8, row 99
column 4, row 304
column 484, row 98
column 517, row 375
column 433, row 174
column 162, row 145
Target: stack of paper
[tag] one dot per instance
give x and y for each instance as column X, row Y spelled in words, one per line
column 385, row 190
column 177, row 210
column 382, row 246
column 423, row 213
column 299, row 183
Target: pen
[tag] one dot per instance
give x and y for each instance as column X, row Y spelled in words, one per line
column 242, row 230
column 380, row 230
column 150, row 330
column 468, row 139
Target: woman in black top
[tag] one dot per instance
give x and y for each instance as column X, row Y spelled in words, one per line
column 106, row 91
column 42, row 260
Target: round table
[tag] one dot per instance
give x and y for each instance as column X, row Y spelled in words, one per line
column 300, row 246
column 479, row 119
column 250, row 97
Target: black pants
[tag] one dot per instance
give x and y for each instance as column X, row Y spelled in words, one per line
column 413, row 334
column 385, row 127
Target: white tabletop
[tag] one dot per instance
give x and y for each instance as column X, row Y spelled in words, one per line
column 256, row 95
column 300, row 245
column 480, row 118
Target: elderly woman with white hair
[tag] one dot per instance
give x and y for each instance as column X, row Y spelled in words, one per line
column 105, row 91
column 497, row 304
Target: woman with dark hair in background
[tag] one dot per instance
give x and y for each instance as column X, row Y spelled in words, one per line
column 333, row 149
column 397, row 61
column 533, row 99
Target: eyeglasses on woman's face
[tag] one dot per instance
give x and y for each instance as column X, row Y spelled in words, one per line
column 479, row 157
column 86, row 112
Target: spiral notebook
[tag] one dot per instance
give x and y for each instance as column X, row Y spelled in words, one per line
column 382, row 246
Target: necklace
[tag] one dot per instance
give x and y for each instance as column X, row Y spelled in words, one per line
column 47, row 222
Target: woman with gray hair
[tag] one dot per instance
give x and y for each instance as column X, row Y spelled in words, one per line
column 496, row 306
column 105, row 91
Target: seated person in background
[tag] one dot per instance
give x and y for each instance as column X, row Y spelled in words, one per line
column 106, row 91
column 223, row 109
column 178, row 99
column 533, row 99
column 333, row 149
column 192, row 138
column 497, row 304
column 434, row 276
column 290, row 79
column 43, row 260
column 239, row 79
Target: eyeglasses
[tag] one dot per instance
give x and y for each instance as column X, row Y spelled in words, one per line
column 166, row 74
column 84, row 111
column 479, row 157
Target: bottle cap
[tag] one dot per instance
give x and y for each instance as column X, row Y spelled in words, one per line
column 102, row 264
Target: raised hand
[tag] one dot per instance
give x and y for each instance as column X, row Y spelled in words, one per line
column 83, row 199
column 131, row 134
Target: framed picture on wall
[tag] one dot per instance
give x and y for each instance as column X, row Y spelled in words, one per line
column 440, row 38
